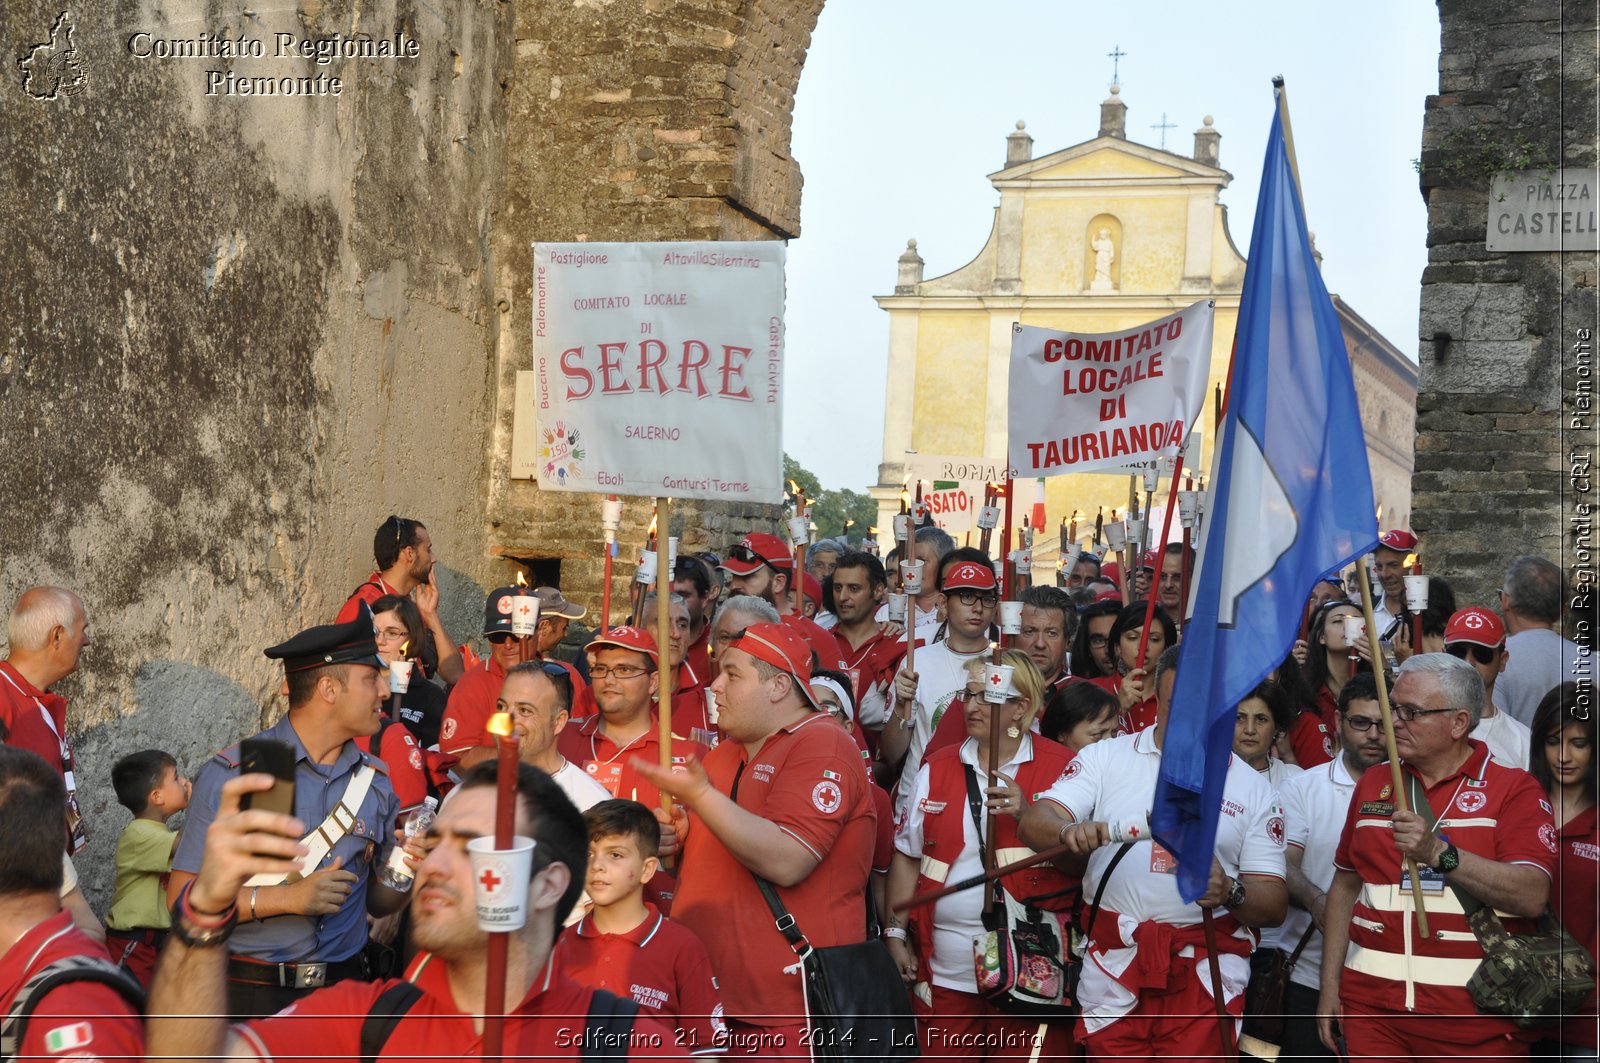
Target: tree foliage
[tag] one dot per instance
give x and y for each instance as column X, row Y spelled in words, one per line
column 831, row 508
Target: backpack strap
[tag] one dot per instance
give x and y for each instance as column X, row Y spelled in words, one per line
column 608, row 1028
column 68, row 969
column 384, row 1015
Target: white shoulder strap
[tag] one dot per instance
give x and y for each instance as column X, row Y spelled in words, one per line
column 326, row 834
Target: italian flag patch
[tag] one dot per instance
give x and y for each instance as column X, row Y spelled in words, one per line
column 835, row 776
column 66, row 1038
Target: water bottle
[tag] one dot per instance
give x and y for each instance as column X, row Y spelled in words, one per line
column 396, row 873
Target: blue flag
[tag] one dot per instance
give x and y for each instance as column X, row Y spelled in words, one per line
column 1291, row 500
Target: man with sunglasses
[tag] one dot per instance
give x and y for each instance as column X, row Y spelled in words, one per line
column 623, row 670
column 472, row 699
column 762, row 566
column 1476, row 636
column 1315, row 805
column 538, row 696
column 1393, row 993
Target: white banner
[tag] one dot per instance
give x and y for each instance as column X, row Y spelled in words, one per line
column 1087, row 403
column 954, row 467
column 659, row 369
column 955, row 505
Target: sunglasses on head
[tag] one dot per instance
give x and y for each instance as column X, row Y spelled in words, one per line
column 744, row 553
column 1481, row 654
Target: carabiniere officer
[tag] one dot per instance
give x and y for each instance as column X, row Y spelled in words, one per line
column 308, row 931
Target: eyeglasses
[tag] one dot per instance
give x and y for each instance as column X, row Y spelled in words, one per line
column 1361, row 724
column 621, row 671
column 974, row 598
column 1460, row 650
column 1097, row 640
column 1408, row 713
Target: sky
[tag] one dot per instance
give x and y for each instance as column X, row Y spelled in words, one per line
column 904, row 107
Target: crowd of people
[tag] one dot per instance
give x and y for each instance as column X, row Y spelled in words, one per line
column 841, row 755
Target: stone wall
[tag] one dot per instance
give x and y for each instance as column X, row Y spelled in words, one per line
column 239, row 331
column 1516, row 93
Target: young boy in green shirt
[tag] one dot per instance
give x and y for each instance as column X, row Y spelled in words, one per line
column 148, row 785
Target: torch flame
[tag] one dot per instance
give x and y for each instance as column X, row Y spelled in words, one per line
column 499, row 724
column 522, row 581
column 405, row 647
column 652, row 530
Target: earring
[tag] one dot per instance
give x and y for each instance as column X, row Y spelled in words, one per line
column 1013, row 732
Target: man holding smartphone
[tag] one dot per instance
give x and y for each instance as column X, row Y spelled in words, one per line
column 302, row 931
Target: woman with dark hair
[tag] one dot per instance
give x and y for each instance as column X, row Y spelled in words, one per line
column 1312, row 733
column 1091, row 654
column 1564, row 763
column 1135, row 687
column 1258, row 721
column 402, row 635
column 1079, row 714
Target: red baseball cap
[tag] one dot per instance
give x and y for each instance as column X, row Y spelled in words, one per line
column 1108, row 595
column 823, row 645
column 755, row 550
column 1398, row 540
column 811, row 588
column 1150, row 559
column 1112, row 571
column 784, row 649
column 1476, row 625
column 969, row 575
column 625, row 638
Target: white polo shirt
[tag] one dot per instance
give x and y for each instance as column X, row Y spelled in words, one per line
column 1315, row 806
column 1115, row 781
column 1507, row 737
column 941, row 674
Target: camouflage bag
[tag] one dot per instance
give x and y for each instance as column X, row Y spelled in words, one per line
column 1528, row 978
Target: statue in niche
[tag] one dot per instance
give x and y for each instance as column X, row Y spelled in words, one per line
column 1105, row 253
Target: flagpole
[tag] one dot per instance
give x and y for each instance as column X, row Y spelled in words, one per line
column 1396, row 775
column 664, row 670
column 1282, row 95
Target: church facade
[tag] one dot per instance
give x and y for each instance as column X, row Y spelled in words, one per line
column 1096, row 237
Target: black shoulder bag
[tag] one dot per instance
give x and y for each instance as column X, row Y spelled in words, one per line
column 856, row 1003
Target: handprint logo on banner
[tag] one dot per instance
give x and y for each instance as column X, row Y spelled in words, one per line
column 561, row 452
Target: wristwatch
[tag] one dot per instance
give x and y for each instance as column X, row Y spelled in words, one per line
column 1235, row 895
column 1450, row 859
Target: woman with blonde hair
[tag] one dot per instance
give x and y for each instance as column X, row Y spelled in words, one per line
column 945, row 838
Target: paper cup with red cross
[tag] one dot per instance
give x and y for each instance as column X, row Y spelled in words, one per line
column 1011, row 618
column 399, row 676
column 1416, row 593
column 646, row 572
column 524, row 615
column 997, row 684
column 500, row 880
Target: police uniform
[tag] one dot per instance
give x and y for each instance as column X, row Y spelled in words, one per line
column 278, row 959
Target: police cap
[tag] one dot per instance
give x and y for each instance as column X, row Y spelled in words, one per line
column 317, row 647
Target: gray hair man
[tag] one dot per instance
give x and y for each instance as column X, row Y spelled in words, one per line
column 1475, row 825
column 1540, row 658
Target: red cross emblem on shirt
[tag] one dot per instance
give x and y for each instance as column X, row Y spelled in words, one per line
column 490, row 880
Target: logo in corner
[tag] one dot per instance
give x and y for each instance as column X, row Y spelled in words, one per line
column 54, row 68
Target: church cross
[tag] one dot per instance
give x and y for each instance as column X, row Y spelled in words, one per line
column 1115, row 55
column 1164, row 125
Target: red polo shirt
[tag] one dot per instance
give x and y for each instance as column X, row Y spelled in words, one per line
column 1575, row 898
column 408, row 771
column 874, row 660
column 809, row 781
column 548, row 1024
column 36, row 720
column 1311, row 736
column 81, row 1020
column 1487, row 809
column 660, row 965
column 368, row 592
column 471, row 704
column 611, row 765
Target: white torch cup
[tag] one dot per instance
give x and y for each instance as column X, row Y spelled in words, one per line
column 1188, row 505
column 997, row 683
column 611, row 514
column 911, row 576
column 672, row 553
column 902, row 527
column 1116, row 535
column 1011, row 618
column 897, row 608
column 1354, row 628
column 988, row 517
column 1136, row 530
column 399, row 676
column 1416, row 593
column 799, row 530
column 500, row 880
column 524, row 615
column 647, row 568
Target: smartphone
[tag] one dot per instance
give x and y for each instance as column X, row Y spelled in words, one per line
column 276, row 759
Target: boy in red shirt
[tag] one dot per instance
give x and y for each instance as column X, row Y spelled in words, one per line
column 625, row 945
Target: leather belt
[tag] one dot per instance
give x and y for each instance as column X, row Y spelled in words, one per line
column 310, row 975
